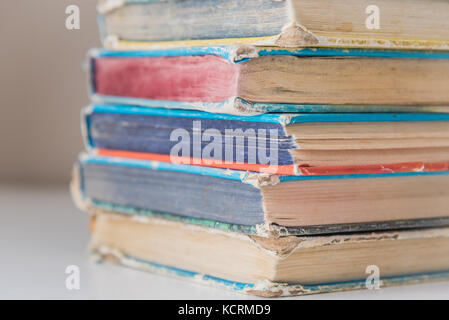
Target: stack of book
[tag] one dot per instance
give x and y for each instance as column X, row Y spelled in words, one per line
column 270, row 147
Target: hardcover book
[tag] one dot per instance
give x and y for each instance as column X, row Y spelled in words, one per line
column 285, row 23
column 249, row 80
column 288, row 144
column 271, row 267
column 259, row 203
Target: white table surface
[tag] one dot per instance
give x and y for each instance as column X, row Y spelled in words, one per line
column 41, row 233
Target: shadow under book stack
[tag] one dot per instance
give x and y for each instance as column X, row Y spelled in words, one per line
column 270, row 147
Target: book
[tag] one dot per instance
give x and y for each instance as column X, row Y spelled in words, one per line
column 286, row 23
column 271, row 267
column 259, row 203
column 288, row 144
column 250, row 80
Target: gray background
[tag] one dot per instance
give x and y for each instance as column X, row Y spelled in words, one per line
column 42, row 88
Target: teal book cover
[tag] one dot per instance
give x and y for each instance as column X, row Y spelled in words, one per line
column 271, row 267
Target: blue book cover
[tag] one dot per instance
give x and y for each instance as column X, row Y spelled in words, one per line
column 287, row 144
column 131, row 24
column 260, row 203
